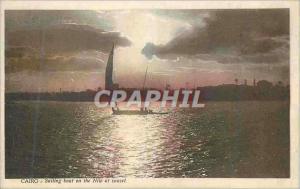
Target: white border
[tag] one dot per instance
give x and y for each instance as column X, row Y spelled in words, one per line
column 292, row 182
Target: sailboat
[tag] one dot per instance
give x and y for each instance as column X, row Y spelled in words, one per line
column 110, row 85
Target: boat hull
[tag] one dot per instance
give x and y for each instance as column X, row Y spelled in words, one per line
column 135, row 112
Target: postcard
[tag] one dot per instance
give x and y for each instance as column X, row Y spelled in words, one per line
column 152, row 94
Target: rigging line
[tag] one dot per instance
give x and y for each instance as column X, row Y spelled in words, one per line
column 145, row 77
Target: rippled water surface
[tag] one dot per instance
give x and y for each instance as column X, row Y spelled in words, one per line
column 224, row 139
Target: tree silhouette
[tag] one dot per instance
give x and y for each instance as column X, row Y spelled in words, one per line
column 236, row 81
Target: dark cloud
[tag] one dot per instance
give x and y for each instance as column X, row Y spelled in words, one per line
column 52, row 46
column 18, row 52
column 51, row 40
column 29, row 19
column 58, row 39
column 71, row 62
column 236, row 35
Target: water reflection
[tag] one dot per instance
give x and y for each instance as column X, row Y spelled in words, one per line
column 81, row 140
column 139, row 142
column 133, row 147
column 144, row 146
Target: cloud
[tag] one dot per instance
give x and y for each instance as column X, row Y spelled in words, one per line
column 29, row 19
column 232, row 36
column 68, row 49
column 87, row 61
column 64, row 38
column 59, row 38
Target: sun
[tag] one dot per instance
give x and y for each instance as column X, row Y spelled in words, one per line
column 143, row 26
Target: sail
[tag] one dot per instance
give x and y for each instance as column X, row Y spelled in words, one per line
column 109, row 71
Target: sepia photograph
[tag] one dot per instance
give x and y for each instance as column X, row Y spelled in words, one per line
column 105, row 95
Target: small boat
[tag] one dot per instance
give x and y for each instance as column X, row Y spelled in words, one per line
column 110, row 85
column 136, row 112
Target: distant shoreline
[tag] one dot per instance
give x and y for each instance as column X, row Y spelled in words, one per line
column 230, row 92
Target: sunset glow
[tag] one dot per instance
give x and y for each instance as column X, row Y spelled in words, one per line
column 177, row 46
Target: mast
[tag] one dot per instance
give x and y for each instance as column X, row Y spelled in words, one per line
column 145, row 77
column 109, row 70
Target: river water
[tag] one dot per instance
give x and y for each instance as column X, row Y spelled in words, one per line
column 77, row 139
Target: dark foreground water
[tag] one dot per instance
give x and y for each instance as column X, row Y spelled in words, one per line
column 225, row 139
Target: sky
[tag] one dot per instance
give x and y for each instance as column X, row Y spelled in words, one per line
column 68, row 50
